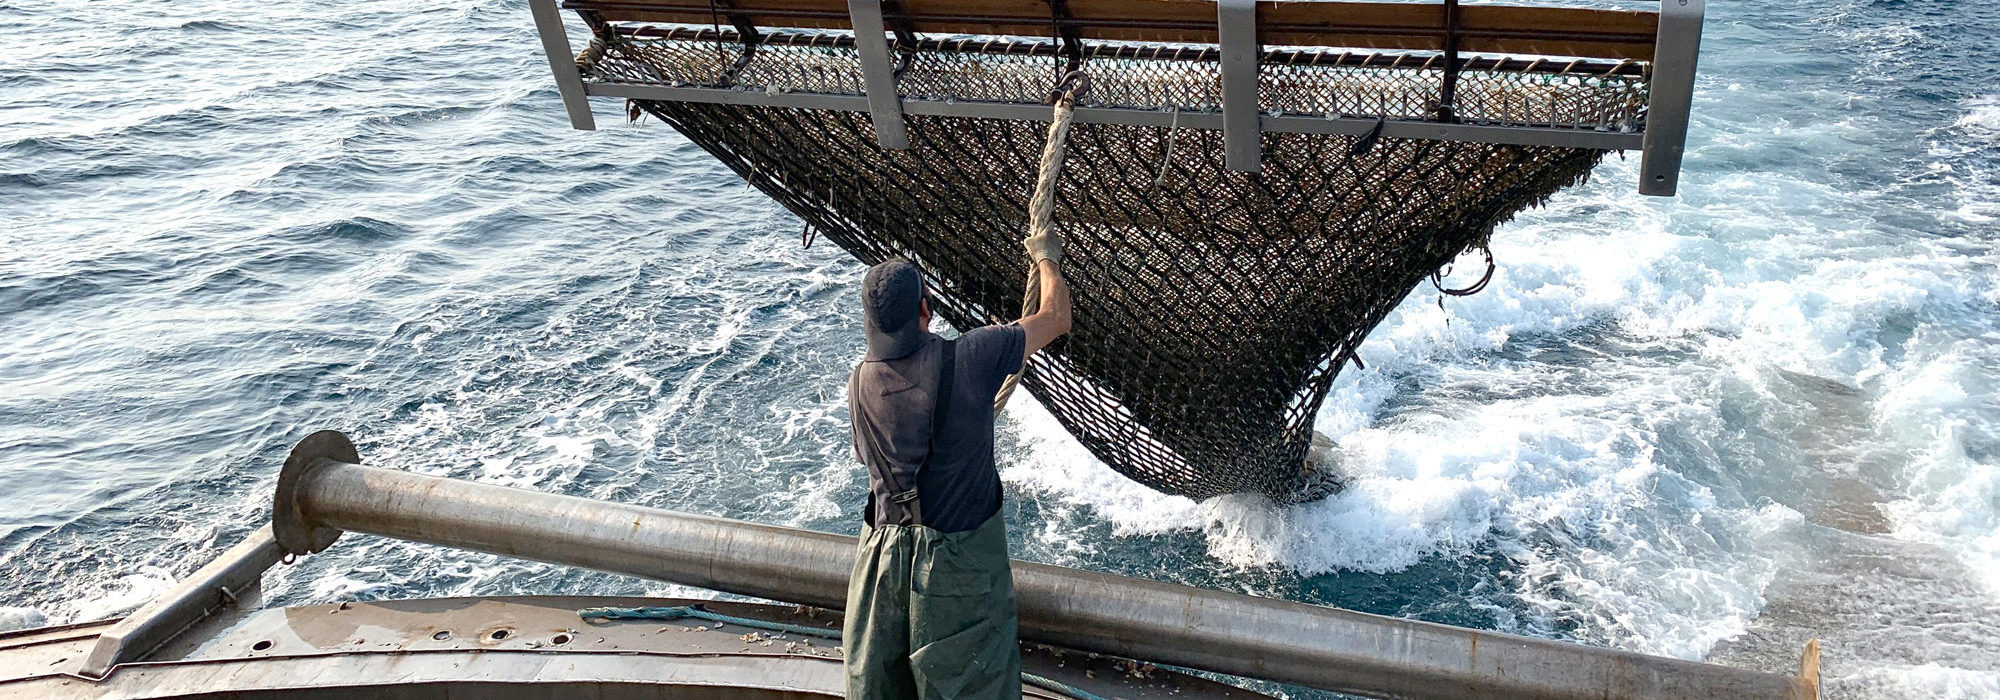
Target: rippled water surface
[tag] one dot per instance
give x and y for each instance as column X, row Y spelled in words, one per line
column 1710, row 427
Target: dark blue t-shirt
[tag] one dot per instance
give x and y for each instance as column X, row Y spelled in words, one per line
column 891, row 404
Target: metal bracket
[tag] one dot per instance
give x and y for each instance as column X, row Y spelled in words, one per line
column 1447, row 106
column 235, row 573
column 562, row 62
column 1236, row 35
column 744, row 27
column 1671, row 95
column 899, row 24
column 746, row 32
column 878, row 74
column 1068, row 35
column 294, row 532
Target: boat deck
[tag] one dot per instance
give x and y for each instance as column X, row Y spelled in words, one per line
column 510, row 647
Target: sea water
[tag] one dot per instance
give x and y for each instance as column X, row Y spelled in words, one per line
column 1710, row 427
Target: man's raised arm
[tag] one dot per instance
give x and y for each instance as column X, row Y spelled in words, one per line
column 1053, row 318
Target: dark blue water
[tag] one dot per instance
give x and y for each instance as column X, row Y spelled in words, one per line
column 1711, row 426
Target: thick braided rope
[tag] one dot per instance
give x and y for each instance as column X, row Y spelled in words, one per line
column 1042, row 210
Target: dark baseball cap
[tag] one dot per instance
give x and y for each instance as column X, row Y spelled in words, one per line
column 891, row 295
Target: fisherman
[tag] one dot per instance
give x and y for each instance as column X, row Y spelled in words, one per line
column 930, row 605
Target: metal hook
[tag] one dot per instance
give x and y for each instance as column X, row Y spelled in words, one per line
column 1367, row 141
column 1173, row 132
column 1072, row 87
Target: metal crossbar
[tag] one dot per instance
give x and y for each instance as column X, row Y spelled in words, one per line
column 1656, row 105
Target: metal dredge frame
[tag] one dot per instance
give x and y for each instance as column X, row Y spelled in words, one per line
column 1220, row 287
column 1660, row 135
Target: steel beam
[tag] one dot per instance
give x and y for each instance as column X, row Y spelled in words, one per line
column 1565, row 31
column 1408, row 129
column 1274, row 640
column 562, row 63
column 233, row 576
column 878, row 73
column 1236, row 39
column 1671, row 96
column 1447, row 107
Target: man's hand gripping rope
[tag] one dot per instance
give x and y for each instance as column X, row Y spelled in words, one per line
column 1044, row 243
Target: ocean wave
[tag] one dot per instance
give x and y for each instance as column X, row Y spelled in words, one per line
column 21, row 619
column 359, row 230
column 209, row 25
column 1982, row 116
column 1970, row 160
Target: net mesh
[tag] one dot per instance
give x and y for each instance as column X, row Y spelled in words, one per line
column 1213, row 308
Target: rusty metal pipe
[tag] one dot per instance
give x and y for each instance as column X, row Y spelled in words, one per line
column 323, row 491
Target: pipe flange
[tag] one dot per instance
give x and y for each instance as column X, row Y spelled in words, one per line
column 288, row 523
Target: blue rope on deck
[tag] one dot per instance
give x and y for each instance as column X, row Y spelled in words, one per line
column 696, row 611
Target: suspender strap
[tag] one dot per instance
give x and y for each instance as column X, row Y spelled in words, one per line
column 903, row 506
column 941, row 404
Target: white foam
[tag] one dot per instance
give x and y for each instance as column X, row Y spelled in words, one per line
column 120, row 595
column 1928, row 681
column 1982, row 116
column 1056, row 464
column 1562, row 486
column 1959, row 161
column 1935, row 409
column 341, row 587
column 12, row 618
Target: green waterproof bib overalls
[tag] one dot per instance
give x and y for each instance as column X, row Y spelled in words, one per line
column 930, row 615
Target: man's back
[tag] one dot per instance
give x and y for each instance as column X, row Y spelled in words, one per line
column 891, row 402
